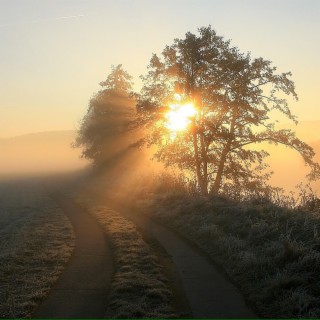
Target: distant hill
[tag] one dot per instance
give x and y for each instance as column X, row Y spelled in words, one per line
column 39, row 152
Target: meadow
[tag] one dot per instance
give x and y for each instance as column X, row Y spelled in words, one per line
column 36, row 241
column 269, row 250
column 139, row 288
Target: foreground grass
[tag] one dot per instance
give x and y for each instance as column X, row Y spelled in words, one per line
column 36, row 240
column 138, row 290
column 272, row 254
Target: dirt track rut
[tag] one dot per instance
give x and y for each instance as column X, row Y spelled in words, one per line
column 82, row 289
column 209, row 293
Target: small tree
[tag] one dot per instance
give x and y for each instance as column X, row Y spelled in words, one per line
column 103, row 128
column 234, row 95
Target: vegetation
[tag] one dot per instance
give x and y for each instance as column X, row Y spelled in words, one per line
column 269, row 250
column 138, row 289
column 36, row 241
column 103, row 130
column 234, row 96
column 206, row 106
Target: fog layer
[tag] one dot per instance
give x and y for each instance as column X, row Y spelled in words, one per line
column 45, row 152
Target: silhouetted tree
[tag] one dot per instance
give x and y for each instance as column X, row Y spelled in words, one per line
column 234, row 95
column 102, row 130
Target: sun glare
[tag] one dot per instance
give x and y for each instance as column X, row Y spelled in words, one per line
column 179, row 117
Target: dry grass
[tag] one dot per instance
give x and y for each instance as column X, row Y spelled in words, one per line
column 138, row 290
column 36, row 241
column 270, row 252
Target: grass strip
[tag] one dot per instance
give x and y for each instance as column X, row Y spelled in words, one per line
column 139, row 289
column 34, row 251
column 271, row 253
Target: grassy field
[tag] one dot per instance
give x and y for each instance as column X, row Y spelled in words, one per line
column 271, row 253
column 139, row 289
column 36, row 241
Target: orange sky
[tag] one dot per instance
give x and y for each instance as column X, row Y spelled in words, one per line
column 53, row 53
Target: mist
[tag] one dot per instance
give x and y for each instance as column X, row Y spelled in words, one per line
column 49, row 153
column 287, row 164
column 40, row 153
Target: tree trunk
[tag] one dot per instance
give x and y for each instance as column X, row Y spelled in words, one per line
column 202, row 177
column 203, row 184
column 218, row 179
column 217, row 182
column 204, row 160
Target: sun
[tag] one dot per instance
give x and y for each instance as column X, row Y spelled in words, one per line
column 179, row 117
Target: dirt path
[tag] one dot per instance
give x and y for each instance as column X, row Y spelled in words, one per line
column 209, row 293
column 81, row 291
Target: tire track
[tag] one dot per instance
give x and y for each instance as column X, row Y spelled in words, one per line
column 82, row 289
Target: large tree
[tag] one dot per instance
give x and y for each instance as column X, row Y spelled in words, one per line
column 103, row 129
column 234, row 95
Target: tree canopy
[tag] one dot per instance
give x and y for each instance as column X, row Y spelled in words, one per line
column 103, row 128
column 234, row 96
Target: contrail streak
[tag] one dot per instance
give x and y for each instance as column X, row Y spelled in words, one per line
column 44, row 20
column 68, row 17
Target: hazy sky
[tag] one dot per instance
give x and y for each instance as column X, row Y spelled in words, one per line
column 53, row 53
